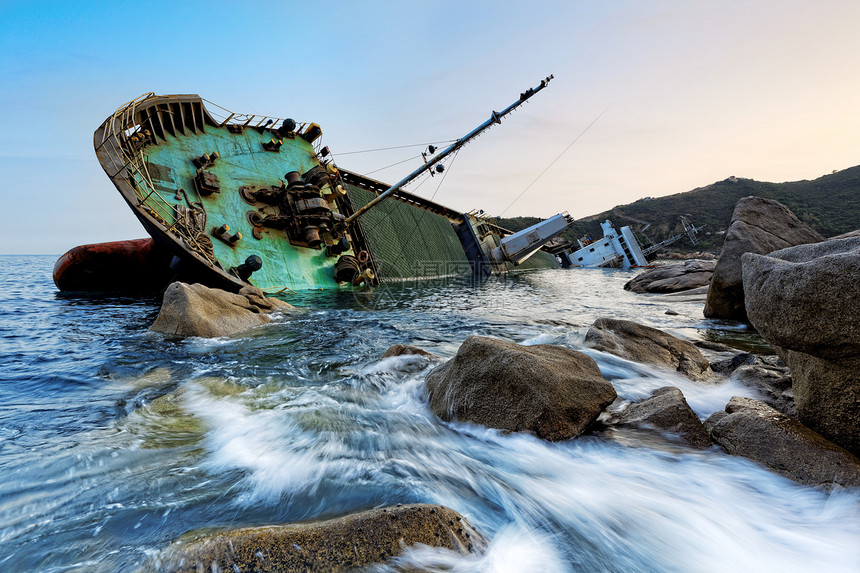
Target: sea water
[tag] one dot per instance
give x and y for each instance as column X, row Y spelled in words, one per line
column 114, row 441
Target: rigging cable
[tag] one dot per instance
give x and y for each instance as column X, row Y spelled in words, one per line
column 444, row 175
column 547, row 168
column 393, row 164
column 397, row 147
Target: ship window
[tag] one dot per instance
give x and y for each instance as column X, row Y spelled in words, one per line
column 591, row 250
column 579, row 259
column 605, row 244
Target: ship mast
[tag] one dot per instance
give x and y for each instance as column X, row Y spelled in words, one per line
column 495, row 118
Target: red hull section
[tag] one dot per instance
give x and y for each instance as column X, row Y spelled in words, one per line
column 135, row 266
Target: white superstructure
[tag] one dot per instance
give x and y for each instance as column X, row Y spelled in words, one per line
column 521, row 245
column 615, row 249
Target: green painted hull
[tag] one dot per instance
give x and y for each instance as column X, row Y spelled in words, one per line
column 243, row 162
column 216, row 191
column 148, row 149
column 407, row 241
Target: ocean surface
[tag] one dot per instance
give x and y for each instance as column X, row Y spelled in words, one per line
column 114, row 441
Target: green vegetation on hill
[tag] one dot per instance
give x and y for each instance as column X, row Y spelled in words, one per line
column 829, row 204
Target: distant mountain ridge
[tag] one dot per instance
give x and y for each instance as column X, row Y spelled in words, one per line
column 829, row 204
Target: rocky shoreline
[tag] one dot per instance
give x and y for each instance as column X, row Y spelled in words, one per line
column 342, row 544
column 796, row 289
column 557, row 387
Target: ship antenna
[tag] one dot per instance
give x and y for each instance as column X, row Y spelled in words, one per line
column 495, row 117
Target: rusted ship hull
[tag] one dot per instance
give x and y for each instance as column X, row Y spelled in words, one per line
column 241, row 199
column 134, row 266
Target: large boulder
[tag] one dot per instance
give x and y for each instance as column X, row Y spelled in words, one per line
column 342, row 544
column 758, row 226
column 807, row 298
column 552, row 391
column 674, row 277
column 804, row 300
column 641, row 343
column 197, row 310
column 665, row 410
column 827, row 397
column 754, row 430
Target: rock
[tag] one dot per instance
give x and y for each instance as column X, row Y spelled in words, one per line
column 341, row 544
column 397, row 364
column 772, row 383
column 673, row 278
column 698, row 294
column 703, row 255
column 729, row 365
column 712, row 346
column 767, row 375
column 849, row 234
column 648, row 345
column 807, row 298
column 754, row 430
column 671, row 312
column 405, row 349
column 197, row 310
column 258, row 299
column 667, row 410
column 552, row 391
column 827, row 397
column 803, row 301
column 758, row 226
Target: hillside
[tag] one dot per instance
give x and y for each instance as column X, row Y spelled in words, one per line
column 829, row 204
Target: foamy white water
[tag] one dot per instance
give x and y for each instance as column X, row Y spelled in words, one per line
column 115, row 441
column 583, row 504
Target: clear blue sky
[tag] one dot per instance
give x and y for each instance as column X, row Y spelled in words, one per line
column 693, row 92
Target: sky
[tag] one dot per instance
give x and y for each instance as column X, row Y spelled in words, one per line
column 650, row 98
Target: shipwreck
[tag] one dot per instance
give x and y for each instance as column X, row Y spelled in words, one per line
column 233, row 199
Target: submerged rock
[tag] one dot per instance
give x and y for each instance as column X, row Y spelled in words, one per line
column 667, row 410
column 758, row 226
column 165, row 420
column 552, row 391
column 804, row 300
column 341, row 544
column 395, row 365
column 754, row 430
column 197, row 310
column 406, row 349
column 675, row 277
column 641, row 343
